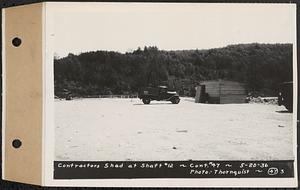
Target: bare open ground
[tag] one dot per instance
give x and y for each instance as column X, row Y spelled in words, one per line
column 125, row 129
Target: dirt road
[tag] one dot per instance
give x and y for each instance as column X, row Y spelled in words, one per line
column 125, row 129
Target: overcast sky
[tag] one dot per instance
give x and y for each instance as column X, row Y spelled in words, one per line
column 81, row 27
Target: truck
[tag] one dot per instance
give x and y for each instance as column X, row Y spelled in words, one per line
column 285, row 95
column 159, row 93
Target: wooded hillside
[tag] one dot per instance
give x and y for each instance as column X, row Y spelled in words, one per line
column 260, row 66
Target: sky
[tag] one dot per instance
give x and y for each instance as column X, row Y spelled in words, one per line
column 123, row 27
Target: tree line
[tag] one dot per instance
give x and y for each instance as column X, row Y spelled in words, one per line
column 261, row 67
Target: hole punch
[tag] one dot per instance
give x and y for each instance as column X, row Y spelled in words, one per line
column 17, row 143
column 16, row 42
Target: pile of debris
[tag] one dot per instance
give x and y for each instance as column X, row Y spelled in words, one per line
column 262, row 100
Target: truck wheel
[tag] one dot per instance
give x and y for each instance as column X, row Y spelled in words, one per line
column 146, row 100
column 175, row 100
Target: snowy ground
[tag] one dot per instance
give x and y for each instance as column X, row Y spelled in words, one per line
column 125, row 129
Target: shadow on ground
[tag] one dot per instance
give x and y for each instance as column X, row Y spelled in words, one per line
column 284, row 111
column 152, row 104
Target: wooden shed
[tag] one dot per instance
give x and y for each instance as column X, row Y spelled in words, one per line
column 220, row 92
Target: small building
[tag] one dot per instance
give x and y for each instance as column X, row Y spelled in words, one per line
column 220, row 92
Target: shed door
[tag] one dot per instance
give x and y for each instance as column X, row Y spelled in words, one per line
column 202, row 94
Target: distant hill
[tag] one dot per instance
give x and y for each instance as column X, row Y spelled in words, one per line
column 260, row 66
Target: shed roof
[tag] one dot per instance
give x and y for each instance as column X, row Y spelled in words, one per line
column 220, row 81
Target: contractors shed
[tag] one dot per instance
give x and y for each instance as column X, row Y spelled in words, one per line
column 220, row 92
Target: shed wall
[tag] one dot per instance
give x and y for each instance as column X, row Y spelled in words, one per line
column 225, row 92
column 232, row 92
column 212, row 88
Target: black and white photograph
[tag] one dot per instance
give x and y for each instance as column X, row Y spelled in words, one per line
column 175, row 82
column 150, row 94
